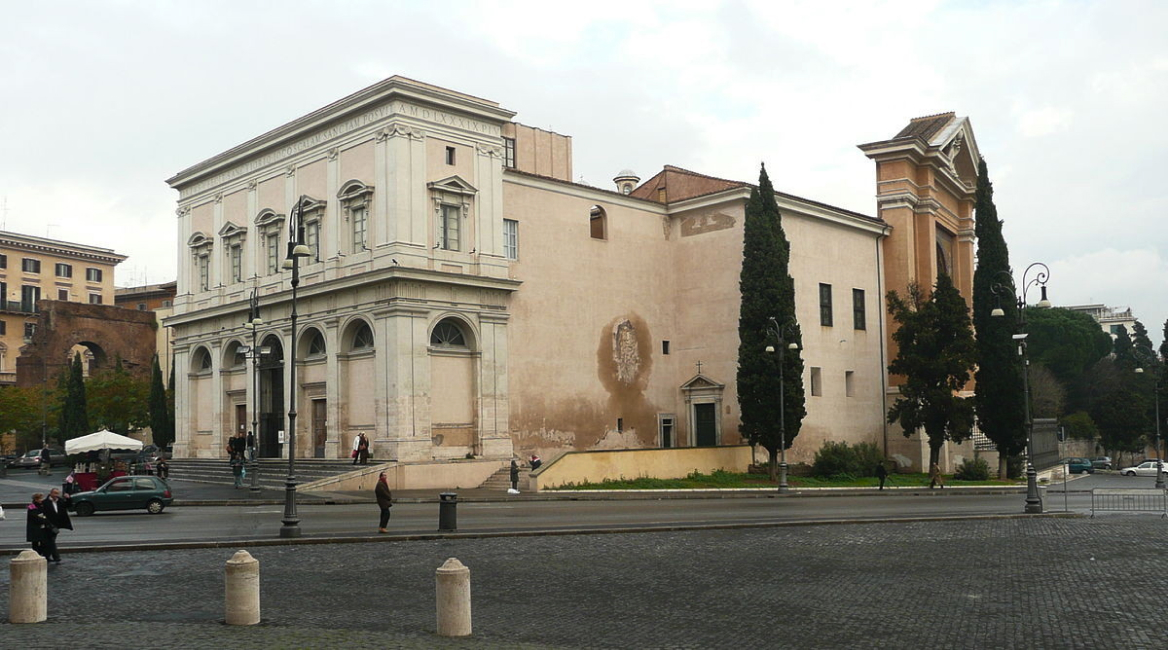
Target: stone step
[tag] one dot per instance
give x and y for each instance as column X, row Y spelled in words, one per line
column 272, row 471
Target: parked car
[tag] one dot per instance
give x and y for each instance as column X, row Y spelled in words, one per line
column 32, row 458
column 1146, row 468
column 1080, row 465
column 125, row 493
column 1102, row 462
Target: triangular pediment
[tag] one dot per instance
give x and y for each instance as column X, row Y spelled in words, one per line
column 700, row 381
column 958, row 149
column 231, row 230
column 453, row 184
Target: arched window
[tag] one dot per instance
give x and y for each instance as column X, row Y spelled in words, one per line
column 201, row 362
column 316, row 346
column 447, row 334
column 598, row 222
column 235, row 356
column 363, row 338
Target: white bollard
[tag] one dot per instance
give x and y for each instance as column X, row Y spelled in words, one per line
column 28, row 592
column 453, row 591
column 243, row 589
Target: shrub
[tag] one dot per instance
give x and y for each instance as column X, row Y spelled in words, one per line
column 839, row 458
column 973, row 470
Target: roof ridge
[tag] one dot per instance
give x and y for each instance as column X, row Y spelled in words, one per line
column 693, row 173
column 934, row 115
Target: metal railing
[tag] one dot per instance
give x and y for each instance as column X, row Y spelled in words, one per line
column 1129, row 500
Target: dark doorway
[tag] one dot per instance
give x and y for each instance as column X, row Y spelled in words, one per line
column 666, row 432
column 705, row 425
column 319, row 431
column 240, row 418
column 271, row 398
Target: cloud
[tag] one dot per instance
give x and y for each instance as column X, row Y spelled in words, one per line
column 1048, row 120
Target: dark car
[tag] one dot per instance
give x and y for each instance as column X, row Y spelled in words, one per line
column 1080, row 465
column 125, row 493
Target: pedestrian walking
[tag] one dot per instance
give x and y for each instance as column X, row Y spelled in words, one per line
column 162, row 470
column 935, row 477
column 881, row 473
column 514, row 477
column 251, row 446
column 56, row 509
column 36, row 528
column 384, row 501
column 237, row 469
column 46, row 464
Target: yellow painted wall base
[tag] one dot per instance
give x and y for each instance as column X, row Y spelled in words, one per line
column 595, row 466
column 441, row 475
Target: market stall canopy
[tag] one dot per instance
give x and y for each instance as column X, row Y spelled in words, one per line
column 101, row 440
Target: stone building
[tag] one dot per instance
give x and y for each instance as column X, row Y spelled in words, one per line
column 464, row 296
column 33, row 269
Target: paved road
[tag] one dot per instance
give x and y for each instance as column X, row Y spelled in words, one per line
column 1013, row 583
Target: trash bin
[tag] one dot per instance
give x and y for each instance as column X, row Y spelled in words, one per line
column 447, row 512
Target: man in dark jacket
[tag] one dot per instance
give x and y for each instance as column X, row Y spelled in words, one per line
column 384, row 501
column 56, row 509
column 37, row 527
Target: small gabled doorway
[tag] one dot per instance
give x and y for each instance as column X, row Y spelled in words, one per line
column 703, row 400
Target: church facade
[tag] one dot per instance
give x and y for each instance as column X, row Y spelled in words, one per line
column 463, row 296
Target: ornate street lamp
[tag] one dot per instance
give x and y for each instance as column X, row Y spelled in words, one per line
column 1006, row 287
column 296, row 250
column 1159, row 455
column 775, row 330
column 253, row 324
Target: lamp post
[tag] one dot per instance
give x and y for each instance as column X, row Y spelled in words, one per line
column 776, row 331
column 253, row 323
column 1006, row 286
column 296, row 250
column 1159, row 455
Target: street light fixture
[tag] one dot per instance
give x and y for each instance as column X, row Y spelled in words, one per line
column 253, row 324
column 296, row 250
column 775, row 330
column 1159, row 454
column 1007, row 287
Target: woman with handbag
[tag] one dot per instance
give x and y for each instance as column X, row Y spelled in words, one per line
column 37, row 527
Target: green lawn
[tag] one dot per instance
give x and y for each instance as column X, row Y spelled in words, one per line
column 720, row 479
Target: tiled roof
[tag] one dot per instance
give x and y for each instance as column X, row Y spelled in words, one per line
column 926, row 127
column 681, row 184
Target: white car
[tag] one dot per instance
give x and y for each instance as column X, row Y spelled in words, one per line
column 1146, row 468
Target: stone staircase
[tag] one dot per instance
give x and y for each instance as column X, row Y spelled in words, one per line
column 272, row 471
column 500, row 481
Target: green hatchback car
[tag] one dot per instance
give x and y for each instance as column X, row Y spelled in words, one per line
column 125, row 493
column 1080, row 465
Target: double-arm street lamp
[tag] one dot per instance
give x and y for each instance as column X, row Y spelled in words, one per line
column 774, row 330
column 296, row 250
column 1006, row 287
column 253, row 324
column 1159, row 455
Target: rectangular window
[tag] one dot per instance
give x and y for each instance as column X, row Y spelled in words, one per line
column 29, row 330
column 29, row 265
column 360, row 222
column 509, row 153
column 511, row 239
column 64, row 270
column 825, row 305
column 92, row 275
column 204, row 272
column 3, row 327
column 449, row 155
column 312, row 240
column 816, row 382
column 448, row 225
column 237, row 263
column 620, row 424
column 665, row 347
column 3, row 295
column 859, row 314
column 28, row 298
column 3, row 261
column 273, row 253
column 62, row 294
column 141, row 306
column 167, row 303
column 95, row 298
column 850, row 383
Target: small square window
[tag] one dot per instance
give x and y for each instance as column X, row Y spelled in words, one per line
column 166, row 303
column 62, row 294
column 817, row 382
column 449, row 155
column 29, row 265
column 141, row 306
column 95, row 298
column 64, row 270
column 92, row 275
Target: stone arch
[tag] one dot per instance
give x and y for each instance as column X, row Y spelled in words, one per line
column 201, row 360
column 311, row 343
column 598, row 222
column 232, row 357
column 437, row 338
column 350, row 332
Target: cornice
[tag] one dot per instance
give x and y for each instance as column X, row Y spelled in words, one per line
column 569, row 188
column 14, row 241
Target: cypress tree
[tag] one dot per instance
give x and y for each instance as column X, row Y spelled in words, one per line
column 999, row 398
column 768, row 291
column 159, row 413
column 75, row 415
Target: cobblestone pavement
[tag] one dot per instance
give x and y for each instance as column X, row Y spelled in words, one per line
column 1007, row 583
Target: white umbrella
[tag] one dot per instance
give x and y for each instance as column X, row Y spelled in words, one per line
column 101, row 440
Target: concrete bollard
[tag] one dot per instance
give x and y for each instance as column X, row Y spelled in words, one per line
column 453, row 591
column 28, row 592
column 242, row 589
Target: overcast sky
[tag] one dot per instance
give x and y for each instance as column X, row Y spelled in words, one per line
column 100, row 101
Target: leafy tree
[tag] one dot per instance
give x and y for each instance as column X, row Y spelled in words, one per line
column 1065, row 341
column 160, row 422
column 768, row 291
column 1000, row 398
column 1121, row 403
column 936, row 357
column 1080, row 425
column 74, row 413
column 117, row 400
column 1142, row 348
column 20, row 412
